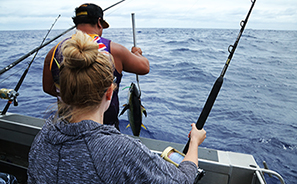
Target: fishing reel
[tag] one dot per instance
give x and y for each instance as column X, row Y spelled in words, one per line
column 175, row 157
column 10, row 95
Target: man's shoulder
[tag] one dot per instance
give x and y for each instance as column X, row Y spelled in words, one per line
column 118, row 48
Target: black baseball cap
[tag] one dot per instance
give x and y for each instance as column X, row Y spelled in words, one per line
column 89, row 13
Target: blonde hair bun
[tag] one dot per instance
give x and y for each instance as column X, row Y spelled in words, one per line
column 80, row 51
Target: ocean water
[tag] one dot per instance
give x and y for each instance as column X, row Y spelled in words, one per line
column 255, row 111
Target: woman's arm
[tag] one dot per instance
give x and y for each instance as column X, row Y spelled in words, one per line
column 197, row 137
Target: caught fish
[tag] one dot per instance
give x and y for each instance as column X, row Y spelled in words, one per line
column 135, row 110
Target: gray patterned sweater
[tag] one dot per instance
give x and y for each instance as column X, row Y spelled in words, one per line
column 88, row 152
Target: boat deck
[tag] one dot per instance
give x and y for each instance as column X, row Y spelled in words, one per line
column 18, row 131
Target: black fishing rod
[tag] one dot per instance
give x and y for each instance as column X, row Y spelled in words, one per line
column 14, row 99
column 45, row 44
column 218, row 84
column 32, row 52
column 14, row 94
column 113, row 5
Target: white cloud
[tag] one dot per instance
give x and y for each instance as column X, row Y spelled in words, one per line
column 267, row 14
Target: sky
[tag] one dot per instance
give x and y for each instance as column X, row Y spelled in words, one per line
column 220, row 14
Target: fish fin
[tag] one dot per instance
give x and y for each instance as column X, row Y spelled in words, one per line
column 126, row 107
column 142, row 125
column 143, row 111
column 128, row 125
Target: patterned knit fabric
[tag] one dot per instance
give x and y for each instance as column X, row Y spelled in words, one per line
column 89, row 152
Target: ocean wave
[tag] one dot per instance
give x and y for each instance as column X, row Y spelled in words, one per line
column 255, row 111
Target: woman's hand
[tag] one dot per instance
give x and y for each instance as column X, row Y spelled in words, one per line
column 198, row 135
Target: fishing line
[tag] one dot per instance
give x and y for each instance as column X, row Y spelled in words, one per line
column 191, row 8
column 218, row 84
column 45, row 44
column 17, row 71
column 113, row 5
column 25, row 73
column 13, row 74
column 117, row 8
column 14, row 98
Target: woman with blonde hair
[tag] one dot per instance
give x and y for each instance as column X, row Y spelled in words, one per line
column 77, row 148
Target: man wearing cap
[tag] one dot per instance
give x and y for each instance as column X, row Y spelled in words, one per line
column 89, row 19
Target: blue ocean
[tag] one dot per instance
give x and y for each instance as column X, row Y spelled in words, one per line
column 254, row 113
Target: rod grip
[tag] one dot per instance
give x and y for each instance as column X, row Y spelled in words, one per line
column 207, row 107
column 209, row 103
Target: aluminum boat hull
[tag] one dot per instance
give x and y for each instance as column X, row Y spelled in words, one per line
column 17, row 132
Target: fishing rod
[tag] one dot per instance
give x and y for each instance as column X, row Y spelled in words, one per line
column 218, row 84
column 45, row 44
column 113, row 5
column 32, row 52
column 14, row 98
column 12, row 94
column 134, row 42
column 133, row 28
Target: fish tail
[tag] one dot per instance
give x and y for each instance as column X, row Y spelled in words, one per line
column 142, row 125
